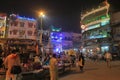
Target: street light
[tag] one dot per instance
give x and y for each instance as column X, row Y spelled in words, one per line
column 41, row 15
column 41, row 27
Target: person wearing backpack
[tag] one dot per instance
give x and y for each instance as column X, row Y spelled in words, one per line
column 11, row 60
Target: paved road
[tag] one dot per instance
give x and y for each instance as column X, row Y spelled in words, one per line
column 95, row 71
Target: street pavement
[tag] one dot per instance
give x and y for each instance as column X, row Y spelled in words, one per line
column 97, row 70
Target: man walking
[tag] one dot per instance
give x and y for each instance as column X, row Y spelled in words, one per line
column 53, row 68
column 108, row 58
column 11, row 60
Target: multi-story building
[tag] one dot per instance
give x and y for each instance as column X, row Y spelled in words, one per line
column 76, row 38
column 17, row 32
column 21, row 27
column 21, row 32
column 115, row 25
column 96, row 30
column 56, row 39
column 61, row 41
column 3, row 18
column 71, row 40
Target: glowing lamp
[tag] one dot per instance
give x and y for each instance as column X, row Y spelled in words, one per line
column 83, row 26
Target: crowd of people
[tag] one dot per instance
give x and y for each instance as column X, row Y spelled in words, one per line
column 27, row 63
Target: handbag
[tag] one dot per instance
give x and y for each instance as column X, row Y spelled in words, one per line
column 16, row 69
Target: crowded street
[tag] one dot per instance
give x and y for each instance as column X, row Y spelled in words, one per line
column 59, row 40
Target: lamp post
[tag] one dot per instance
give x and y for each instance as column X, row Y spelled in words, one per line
column 41, row 15
column 41, row 28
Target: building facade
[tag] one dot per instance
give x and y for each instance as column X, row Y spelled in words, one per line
column 3, row 18
column 62, row 41
column 17, row 32
column 21, row 27
column 115, row 25
column 96, row 30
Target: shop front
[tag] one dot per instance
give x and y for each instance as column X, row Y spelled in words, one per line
column 22, row 45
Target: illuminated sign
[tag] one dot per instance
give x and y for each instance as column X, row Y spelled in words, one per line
column 105, row 22
column 92, row 27
column 2, row 26
column 98, row 36
column 24, row 18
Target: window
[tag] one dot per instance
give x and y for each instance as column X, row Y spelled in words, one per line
column 1, row 33
column 11, row 23
column 22, row 24
column 21, row 32
column 10, row 32
column 30, row 25
column 29, row 33
column 15, row 32
column 34, row 26
column 35, row 33
column 15, row 23
column 1, row 24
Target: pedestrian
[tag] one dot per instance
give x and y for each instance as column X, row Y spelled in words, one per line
column 53, row 68
column 1, row 51
column 81, row 62
column 11, row 60
column 1, row 63
column 108, row 58
column 37, row 63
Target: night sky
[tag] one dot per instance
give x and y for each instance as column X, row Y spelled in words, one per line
column 59, row 13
